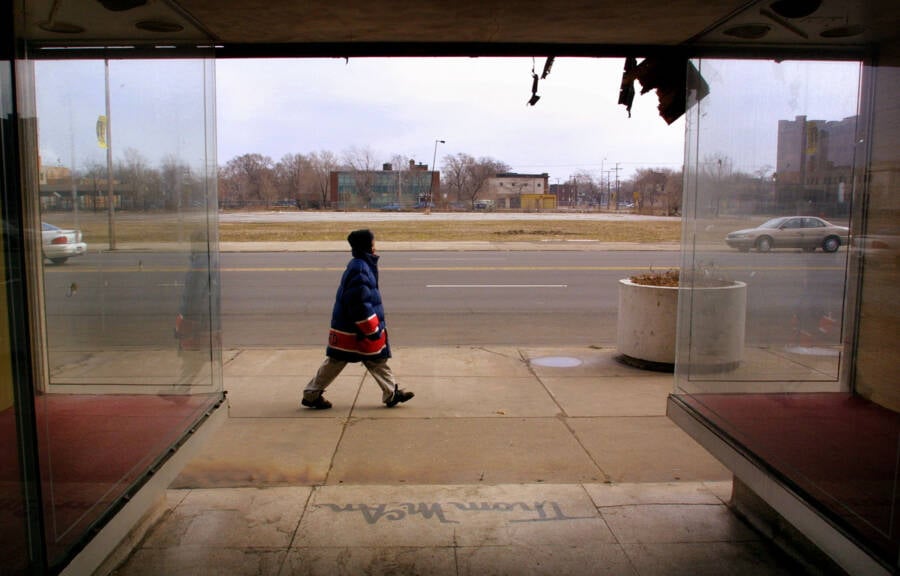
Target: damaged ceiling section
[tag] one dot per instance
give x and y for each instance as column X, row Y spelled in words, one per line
column 662, row 34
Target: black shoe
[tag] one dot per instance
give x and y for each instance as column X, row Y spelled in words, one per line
column 398, row 397
column 319, row 403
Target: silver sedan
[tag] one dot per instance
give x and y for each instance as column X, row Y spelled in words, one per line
column 805, row 232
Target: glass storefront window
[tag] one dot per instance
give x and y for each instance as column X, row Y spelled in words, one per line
column 126, row 202
column 772, row 171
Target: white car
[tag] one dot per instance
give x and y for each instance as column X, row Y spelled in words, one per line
column 59, row 245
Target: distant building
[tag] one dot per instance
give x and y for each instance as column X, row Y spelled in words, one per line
column 814, row 164
column 384, row 189
column 566, row 193
column 507, row 189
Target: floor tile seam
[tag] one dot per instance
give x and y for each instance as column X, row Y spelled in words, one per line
column 444, row 417
column 455, row 546
column 661, row 504
column 620, row 416
column 523, row 355
column 303, row 513
column 616, row 540
column 226, row 362
column 698, row 541
column 344, row 427
column 430, row 418
column 582, row 483
column 218, row 546
column 564, row 420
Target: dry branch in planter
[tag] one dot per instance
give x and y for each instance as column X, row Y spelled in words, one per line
column 667, row 278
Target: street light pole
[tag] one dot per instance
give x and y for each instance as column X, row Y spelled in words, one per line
column 428, row 202
column 110, row 195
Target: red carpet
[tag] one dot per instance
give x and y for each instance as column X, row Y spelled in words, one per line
column 92, row 450
column 840, row 449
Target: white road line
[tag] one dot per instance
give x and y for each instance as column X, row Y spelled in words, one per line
column 462, row 259
column 496, row 285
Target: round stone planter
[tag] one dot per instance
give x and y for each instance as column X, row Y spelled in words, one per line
column 647, row 318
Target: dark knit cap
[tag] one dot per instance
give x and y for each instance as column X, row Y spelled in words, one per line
column 361, row 240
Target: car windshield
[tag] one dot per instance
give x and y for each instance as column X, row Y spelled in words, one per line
column 48, row 227
column 773, row 223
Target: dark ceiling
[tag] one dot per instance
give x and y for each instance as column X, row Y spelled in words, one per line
column 281, row 26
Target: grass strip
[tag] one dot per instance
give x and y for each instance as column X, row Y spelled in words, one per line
column 142, row 228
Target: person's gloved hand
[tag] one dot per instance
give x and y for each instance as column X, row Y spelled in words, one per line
column 376, row 334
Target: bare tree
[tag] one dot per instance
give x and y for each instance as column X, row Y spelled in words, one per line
column 132, row 173
column 292, row 173
column 253, row 177
column 716, row 169
column 176, row 182
column 95, row 174
column 464, row 176
column 453, row 174
column 650, row 187
column 363, row 163
column 586, row 188
column 674, row 191
column 322, row 164
column 228, row 185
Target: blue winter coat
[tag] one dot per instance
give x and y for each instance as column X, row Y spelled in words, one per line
column 357, row 320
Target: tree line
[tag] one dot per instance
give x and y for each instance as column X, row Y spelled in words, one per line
column 303, row 180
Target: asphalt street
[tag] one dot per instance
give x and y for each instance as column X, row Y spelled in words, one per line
column 447, row 297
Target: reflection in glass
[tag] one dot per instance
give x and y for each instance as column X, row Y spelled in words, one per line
column 126, row 164
column 775, row 140
column 771, row 173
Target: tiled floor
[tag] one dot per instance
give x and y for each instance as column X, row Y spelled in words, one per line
column 499, row 465
column 633, row 529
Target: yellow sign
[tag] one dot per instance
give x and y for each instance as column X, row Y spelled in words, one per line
column 101, row 131
column 812, row 138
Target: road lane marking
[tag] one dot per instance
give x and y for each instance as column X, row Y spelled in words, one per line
column 496, row 285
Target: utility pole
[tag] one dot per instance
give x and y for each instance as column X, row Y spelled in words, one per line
column 433, row 172
column 617, row 182
column 110, row 195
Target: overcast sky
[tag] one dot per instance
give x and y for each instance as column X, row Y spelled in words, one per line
column 401, row 106
column 476, row 105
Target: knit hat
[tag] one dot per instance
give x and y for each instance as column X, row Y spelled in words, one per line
column 361, row 240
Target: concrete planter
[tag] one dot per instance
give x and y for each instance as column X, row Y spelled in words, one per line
column 647, row 318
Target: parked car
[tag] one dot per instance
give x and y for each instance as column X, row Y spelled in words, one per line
column 392, row 207
column 59, row 245
column 806, row 232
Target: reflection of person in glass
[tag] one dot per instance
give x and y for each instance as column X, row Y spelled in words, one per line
column 358, row 331
column 192, row 324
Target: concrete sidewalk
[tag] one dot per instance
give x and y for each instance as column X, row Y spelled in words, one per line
column 507, row 461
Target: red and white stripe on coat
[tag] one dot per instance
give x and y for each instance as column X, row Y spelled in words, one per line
column 368, row 326
column 349, row 342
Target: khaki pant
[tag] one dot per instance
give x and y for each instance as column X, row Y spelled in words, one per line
column 330, row 369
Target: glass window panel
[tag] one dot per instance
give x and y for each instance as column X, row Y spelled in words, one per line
column 772, row 140
column 771, row 165
column 130, row 272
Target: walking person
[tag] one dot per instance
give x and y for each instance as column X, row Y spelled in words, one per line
column 357, row 329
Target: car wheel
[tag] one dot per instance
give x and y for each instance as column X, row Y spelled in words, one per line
column 831, row 244
column 764, row 244
column 58, row 261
